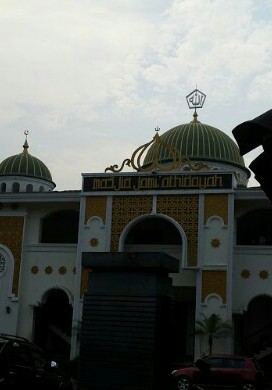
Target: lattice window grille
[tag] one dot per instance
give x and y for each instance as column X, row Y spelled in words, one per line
column 2, row 264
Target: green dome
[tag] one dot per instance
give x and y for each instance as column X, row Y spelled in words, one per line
column 24, row 164
column 198, row 142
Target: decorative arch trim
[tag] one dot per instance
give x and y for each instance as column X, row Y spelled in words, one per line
column 213, row 296
column 214, row 218
column 136, row 220
column 44, row 296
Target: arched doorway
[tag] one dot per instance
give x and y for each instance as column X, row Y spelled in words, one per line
column 158, row 233
column 258, row 325
column 53, row 321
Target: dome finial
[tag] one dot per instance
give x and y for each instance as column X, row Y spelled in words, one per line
column 195, row 117
column 196, row 100
column 25, row 146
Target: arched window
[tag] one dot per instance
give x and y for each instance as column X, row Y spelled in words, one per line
column 41, row 189
column 3, row 187
column 255, row 228
column 29, row 188
column 155, row 231
column 15, row 187
column 60, row 227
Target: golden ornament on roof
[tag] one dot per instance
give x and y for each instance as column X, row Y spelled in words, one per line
column 177, row 159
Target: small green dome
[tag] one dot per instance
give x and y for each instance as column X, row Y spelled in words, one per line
column 198, row 142
column 24, row 164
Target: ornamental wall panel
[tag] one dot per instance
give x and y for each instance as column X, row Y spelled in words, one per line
column 216, row 204
column 124, row 210
column 184, row 210
column 96, row 206
column 214, row 282
column 11, row 234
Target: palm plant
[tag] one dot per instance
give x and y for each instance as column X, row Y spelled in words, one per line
column 213, row 327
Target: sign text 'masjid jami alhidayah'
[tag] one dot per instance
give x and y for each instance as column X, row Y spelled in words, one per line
column 157, row 182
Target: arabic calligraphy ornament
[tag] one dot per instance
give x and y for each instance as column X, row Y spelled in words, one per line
column 196, row 99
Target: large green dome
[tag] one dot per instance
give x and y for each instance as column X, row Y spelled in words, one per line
column 198, row 142
column 24, row 164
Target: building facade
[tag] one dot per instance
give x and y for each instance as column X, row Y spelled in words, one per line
column 184, row 193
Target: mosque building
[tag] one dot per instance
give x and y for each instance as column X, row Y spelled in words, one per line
column 184, row 193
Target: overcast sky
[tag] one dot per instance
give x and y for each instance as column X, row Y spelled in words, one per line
column 91, row 79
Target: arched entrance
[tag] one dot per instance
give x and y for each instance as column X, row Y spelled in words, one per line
column 154, row 234
column 258, row 325
column 158, row 233
column 53, row 319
